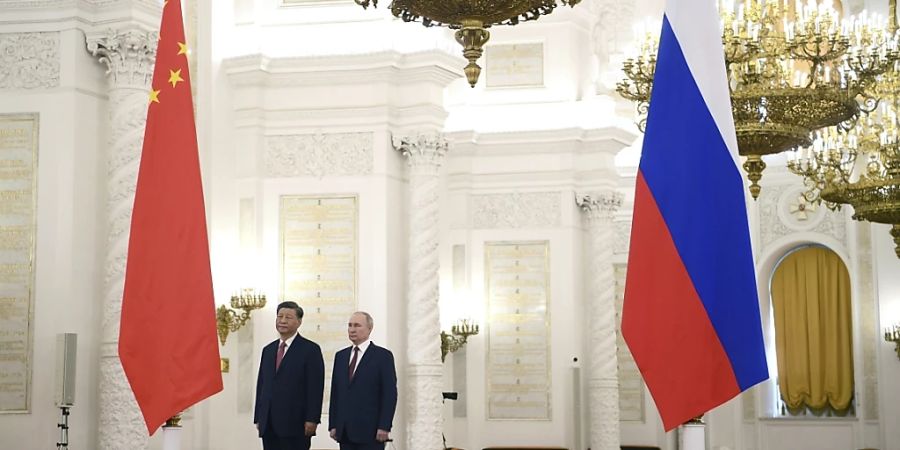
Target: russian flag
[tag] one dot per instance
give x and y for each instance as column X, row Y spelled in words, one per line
column 691, row 314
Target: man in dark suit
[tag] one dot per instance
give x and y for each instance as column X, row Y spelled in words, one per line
column 363, row 390
column 290, row 385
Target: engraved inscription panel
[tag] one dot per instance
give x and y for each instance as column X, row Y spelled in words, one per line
column 318, row 268
column 517, row 280
column 515, row 65
column 18, row 158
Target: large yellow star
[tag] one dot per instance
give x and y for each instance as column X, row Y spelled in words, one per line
column 154, row 96
column 182, row 48
column 175, row 77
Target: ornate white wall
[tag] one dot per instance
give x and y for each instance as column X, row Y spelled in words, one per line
column 47, row 69
column 288, row 104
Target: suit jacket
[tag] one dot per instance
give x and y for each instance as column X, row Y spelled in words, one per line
column 291, row 395
column 366, row 404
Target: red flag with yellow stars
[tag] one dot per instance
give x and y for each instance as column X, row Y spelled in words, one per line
column 167, row 335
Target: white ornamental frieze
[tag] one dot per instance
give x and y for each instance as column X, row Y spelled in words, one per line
column 29, row 60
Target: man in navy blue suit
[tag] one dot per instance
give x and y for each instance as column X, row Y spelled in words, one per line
column 363, row 390
column 290, row 385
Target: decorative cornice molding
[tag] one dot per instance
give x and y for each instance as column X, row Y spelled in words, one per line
column 398, row 117
column 44, row 4
column 36, row 4
column 29, row 60
column 319, row 154
column 128, row 54
column 516, row 210
column 261, row 70
column 613, row 138
column 60, row 15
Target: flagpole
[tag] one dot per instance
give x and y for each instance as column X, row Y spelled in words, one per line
column 172, row 433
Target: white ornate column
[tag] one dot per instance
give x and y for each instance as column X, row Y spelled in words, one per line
column 603, row 379
column 424, row 153
column 129, row 57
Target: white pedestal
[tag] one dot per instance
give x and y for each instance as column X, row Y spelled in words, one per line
column 692, row 437
column 171, row 438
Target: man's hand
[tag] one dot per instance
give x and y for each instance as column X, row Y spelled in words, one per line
column 381, row 436
column 309, row 429
column 333, row 433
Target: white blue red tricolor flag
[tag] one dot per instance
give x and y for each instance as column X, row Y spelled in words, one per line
column 691, row 313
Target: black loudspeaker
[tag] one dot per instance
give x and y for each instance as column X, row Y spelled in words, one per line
column 66, row 350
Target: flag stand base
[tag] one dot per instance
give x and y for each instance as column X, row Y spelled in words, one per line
column 172, row 433
column 692, row 436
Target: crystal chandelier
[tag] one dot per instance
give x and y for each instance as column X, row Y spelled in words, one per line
column 792, row 70
column 470, row 18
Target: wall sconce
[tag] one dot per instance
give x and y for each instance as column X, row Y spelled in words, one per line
column 893, row 335
column 459, row 334
column 228, row 320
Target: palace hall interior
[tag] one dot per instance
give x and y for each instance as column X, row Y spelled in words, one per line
column 349, row 164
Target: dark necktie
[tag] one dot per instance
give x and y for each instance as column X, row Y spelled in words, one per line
column 280, row 355
column 353, row 361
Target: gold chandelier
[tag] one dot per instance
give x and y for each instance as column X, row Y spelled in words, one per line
column 792, row 70
column 471, row 18
column 859, row 167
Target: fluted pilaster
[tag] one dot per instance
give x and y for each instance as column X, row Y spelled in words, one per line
column 424, row 153
column 129, row 58
column 603, row 381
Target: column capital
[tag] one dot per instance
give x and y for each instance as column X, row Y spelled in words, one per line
column 128, row 53
column 422, row 150
column 599, row 204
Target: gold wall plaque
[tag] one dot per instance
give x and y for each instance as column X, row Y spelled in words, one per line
column 318, row 268
column 515, row 65
column 517, row 281
column 18, row 186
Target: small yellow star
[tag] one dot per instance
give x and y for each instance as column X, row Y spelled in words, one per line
column 175, row 77
column 182, row 48
column 154, row 96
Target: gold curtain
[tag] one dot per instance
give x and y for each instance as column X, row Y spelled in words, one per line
column 811, row 302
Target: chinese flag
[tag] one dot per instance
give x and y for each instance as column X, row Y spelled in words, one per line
column 167, row 337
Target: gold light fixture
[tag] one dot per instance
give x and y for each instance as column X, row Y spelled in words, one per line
column 792, row 70
column 471, row 19
column 893, row 335
column 458, row 336
column 229, row 321
column 860, row 166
